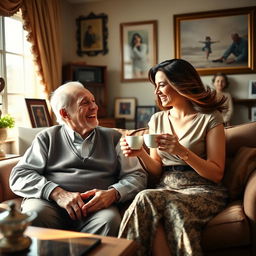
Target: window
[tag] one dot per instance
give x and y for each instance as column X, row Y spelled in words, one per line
column 18, row 69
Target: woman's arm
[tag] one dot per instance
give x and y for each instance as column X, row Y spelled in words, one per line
column 212, row 167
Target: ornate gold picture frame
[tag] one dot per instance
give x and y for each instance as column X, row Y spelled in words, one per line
column 203, row 38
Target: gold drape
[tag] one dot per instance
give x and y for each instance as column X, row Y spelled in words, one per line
column 42, row 21
column 9, row 7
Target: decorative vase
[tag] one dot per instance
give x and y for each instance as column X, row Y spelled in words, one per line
column 3, row 137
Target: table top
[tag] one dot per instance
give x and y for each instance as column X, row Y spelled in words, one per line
column 109, row 245
column 8, row 156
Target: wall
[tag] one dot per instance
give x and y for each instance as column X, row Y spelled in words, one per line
column 120, row 11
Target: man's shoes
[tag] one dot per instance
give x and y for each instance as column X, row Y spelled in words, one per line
column 218, row 60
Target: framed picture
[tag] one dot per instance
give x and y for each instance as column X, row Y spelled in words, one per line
column 252, row 89
column 138, row 49
column 2, row 84
column 217, row 41
column 253, row 114
column 38, row 113
column 125, row 108
column 92, row 34
column 143, row 115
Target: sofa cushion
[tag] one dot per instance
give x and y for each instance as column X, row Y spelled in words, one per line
column 239, row 170
column 230, row 228
column 240, row 135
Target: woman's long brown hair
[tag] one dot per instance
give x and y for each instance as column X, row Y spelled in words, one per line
column 186, row 81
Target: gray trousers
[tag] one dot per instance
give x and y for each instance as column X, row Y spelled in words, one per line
column 49, row 215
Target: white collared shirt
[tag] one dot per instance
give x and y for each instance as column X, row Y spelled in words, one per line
column 83, row 146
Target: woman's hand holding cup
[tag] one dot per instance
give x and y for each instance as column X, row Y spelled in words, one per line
column 151, row 140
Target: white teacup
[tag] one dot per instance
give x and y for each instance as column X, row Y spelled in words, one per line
column 150, row 140
column 134, row 142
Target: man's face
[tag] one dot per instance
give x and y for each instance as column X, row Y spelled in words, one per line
column 82, row 114
column 235, row 37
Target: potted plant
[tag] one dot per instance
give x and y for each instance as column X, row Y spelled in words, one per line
column 6, row 122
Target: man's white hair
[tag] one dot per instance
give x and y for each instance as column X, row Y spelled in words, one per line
column 62, row 98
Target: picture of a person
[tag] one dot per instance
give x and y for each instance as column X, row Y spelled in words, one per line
column 125, row 108
column 138, row 54
column 220, row 82
column 143, row 118
column 89, row 37
column 253, row 92
column 207, row 46
column 239, row 48
column 40, row 117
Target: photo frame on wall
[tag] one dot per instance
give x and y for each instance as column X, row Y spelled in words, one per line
column 204, row 38
column 138, row 49
column 38, row 113
column 252, row 89
column 125, row 108
column 253, row 114
column 92, row 34
column 143, row 115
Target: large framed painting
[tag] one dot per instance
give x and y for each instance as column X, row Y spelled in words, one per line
column 217, row 41
column 138, row 49
column 92, row 34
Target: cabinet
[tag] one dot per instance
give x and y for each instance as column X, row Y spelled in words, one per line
column 93, row 77
column 112, row 122
column 249, row 103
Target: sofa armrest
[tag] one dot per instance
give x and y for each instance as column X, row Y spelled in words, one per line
column 5, row 170
column 250, row 197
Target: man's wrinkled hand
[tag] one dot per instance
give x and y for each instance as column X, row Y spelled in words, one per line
column 71, row 201
column 101, row 199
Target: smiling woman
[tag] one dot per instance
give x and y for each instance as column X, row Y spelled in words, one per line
column 189, row 161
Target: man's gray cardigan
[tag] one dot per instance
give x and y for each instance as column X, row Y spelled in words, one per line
column 53, row 160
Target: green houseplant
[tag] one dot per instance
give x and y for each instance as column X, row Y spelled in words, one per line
column 6, row 122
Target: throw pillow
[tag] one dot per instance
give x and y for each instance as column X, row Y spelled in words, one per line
column 239, row 170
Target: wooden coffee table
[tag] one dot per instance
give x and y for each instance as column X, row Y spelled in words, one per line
column 109, row 245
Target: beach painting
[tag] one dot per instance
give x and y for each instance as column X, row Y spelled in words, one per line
column 204, row 38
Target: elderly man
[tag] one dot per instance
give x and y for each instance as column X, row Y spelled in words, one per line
column 74, row 173
column 239, row 48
